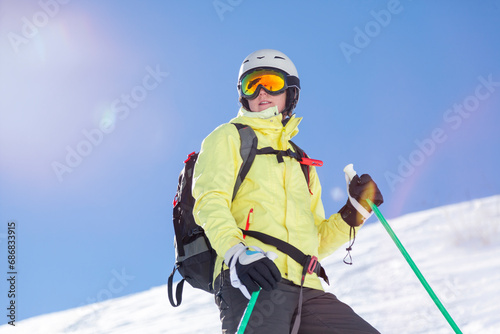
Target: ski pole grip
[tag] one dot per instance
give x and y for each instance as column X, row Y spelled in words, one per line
column 349, row 171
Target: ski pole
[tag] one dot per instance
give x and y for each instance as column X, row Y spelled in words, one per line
column 349, row 170
column 414, row 267
column 248, row 312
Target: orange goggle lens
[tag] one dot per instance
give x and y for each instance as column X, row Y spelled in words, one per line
column 272, row 81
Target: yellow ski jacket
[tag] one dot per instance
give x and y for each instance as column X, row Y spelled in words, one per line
column 274, row 198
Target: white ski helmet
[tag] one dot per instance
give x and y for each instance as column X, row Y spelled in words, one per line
column 269, row 58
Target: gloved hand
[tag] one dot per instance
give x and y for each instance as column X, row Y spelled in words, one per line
column 252, row 269
column 360, row 188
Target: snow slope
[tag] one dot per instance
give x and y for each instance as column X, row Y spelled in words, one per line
column 456, row 247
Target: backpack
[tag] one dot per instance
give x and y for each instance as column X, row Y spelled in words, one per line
column 195, row 258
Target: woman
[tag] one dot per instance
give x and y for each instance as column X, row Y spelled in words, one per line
column 278, row 199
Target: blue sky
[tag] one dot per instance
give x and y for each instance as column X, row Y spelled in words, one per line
column 100, row 102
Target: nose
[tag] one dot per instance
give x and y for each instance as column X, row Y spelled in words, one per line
column 262, row 92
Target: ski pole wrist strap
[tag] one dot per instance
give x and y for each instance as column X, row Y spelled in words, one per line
column 235, row 252
column 354, row 202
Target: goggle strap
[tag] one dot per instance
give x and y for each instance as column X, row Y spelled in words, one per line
column 292, row 81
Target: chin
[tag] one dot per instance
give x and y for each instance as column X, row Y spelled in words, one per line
column 265, row 106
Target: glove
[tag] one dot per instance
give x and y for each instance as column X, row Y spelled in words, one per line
column 251, row 270
column 360, row 188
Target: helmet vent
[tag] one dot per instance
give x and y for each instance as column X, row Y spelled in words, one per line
column 246, row 61
column 279, row 57
column 261, row 57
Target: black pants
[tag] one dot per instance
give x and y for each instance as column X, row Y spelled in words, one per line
column 275, row 311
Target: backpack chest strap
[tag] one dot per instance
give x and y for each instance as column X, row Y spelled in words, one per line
column 279, row 154
column 298, row 155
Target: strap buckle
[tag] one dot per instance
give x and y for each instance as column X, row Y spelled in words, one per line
column 312, row 265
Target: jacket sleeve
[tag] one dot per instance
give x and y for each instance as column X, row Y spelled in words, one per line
column 334, row 231
column 215, row 174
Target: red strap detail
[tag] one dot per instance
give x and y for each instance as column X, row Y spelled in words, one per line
column 311, row 162
column 312, row 265
column 185, row 161
column 189, row 156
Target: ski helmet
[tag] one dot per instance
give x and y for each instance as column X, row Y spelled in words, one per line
column 274, row 59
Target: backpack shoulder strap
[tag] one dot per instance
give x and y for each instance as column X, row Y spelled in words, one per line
column 248, row 150
column 305, row 162
column 305, row 167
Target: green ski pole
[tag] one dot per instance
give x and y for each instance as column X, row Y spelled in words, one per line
column 351, row 173
column 248, row 312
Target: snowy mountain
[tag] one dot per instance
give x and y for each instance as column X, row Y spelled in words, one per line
column 456, row 247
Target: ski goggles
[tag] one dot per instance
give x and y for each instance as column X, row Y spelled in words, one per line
column 271, row 80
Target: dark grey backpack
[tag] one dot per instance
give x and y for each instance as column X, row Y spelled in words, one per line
column 195, row 258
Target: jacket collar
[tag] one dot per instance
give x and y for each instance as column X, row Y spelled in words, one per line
column 268, row 121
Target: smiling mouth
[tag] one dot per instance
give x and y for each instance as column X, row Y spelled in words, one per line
column 264, row 102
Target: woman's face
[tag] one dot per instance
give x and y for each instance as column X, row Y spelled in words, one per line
column 265, row 100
